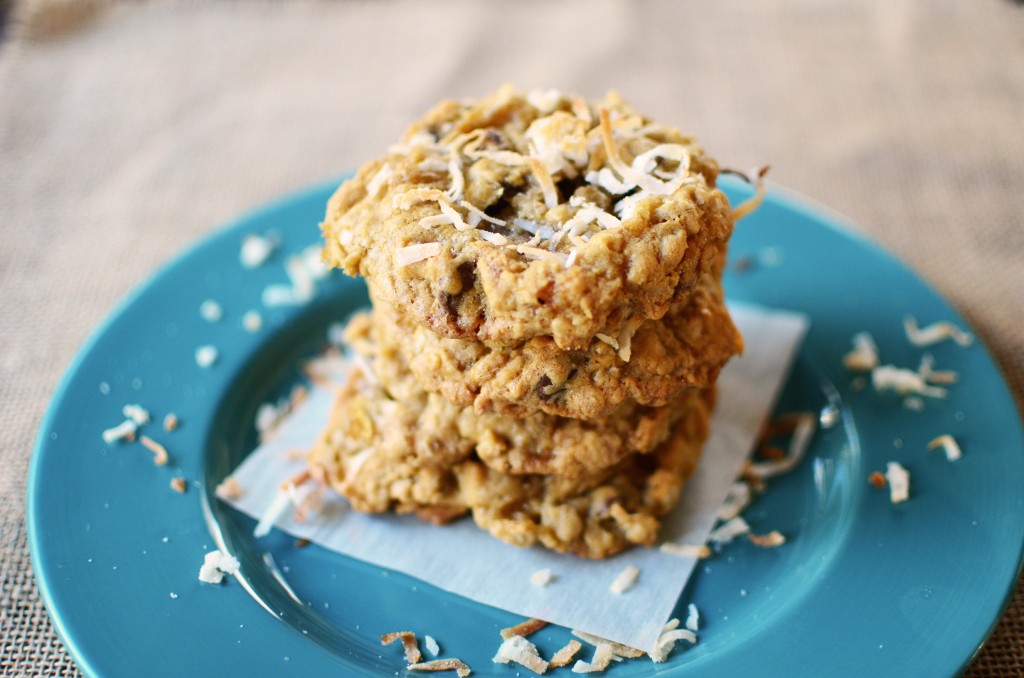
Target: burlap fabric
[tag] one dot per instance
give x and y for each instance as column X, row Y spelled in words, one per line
column 128, row 131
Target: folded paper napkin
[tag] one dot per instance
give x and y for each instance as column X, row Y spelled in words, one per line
column 579, row 595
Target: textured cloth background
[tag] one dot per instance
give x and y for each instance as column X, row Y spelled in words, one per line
column 129, row 131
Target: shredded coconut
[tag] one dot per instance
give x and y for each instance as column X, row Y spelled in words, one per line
column 123, row 431
column 377, row 182
column 136, row 413
column 899, row 482
column 864, row 356
column 215, row 565
column 206, row 356
column 252, row 321
column 767, row 541
column 611, row 341
column 275, row 511
column 903, row 382
column 806, row 424
column 256, row 249
column 521, row 651
column 694, row 551
column 541, row 577
column 692, row 618
column 411, row 254
column 729, row 530
column 618, row 649
column 480, row 214
column 667, row 640
column 432, row 647
column 625, row 579
column 538, row 253
column 737, row 499
column 928, row 372
column 602, row 658
column 949, row 446
column 934, row 333
column 211, row 311
column 494, row 238
column 159, row 451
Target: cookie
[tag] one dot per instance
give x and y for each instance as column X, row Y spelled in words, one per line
column 539, row 443
column 540, row 215
column 381, row 458
column 685, row 349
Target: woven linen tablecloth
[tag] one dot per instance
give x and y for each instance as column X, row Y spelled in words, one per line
column 130, row 130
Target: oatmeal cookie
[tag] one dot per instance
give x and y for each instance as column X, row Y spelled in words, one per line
column 377, row 456
column 540, row 443
column 686, row 348
column 522, row 216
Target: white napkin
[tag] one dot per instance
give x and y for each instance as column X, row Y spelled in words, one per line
column 498, row 574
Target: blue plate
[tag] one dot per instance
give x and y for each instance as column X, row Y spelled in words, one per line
column 863, row 587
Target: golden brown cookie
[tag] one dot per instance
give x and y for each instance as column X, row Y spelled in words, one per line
column 392, row 400
column 685, row 349
column 380, row 458
column 540, row 215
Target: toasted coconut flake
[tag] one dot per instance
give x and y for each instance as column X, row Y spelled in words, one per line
column 521, row 651
column 452, row 664
column 934, row 333
column 878, row 480
column 606, row 179
column 178, row 484
column 767, row 541
column 379, row 179
column 611, row 341
column 412, row 254
column 625, row 579
column 602, row 658
column 694, row 551
column 524, row 629
column 159, row 451
column 229, row 488
column 903, row 382
column 949, row 446
column 538, row 253
column 171, row 422
column 754, row 202
column 432, row 647
column 692, row 618
column 453, row 215
column 123, row 431
column 806, row 424
column 618, row 649
column 928, row 372
column 435, row 220
column 541, row 577
column 667, row 640
column 626, row 342
column 737, row 499
column 571, row 259
column 494, row 238
column 547, row 184
column 864, row 356
column 473, row 209
column 408, row 638
column 415, row 196
column 277, row 509
column 899, row 482
column 729, row 530
column 565, row 655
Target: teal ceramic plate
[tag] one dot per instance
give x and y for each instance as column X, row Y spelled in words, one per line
column 863, row 587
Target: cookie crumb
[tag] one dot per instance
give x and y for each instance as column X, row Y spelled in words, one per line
column 178, row 484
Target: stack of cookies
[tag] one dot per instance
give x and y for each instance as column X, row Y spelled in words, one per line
column 548, row 321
